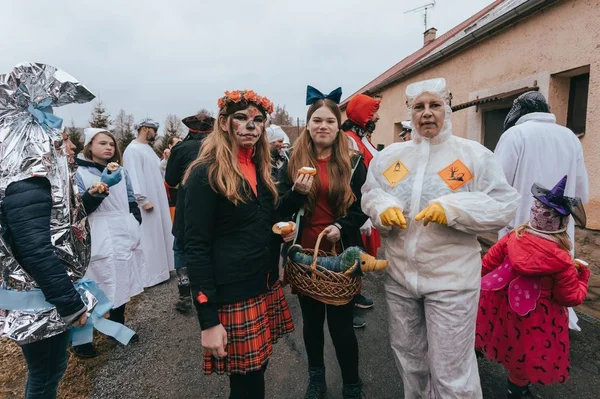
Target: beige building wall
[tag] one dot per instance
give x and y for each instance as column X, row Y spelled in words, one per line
column 539, row 51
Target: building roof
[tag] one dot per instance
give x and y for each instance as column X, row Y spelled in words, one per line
column 490, row 13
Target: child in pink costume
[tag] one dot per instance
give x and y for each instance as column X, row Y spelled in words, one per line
column 528, row 280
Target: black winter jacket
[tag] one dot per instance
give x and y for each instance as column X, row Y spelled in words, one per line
column 228, row 249
column 26, row 211
column 182, row 155
column 291, row 202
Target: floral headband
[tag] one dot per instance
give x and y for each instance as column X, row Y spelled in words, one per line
column 240, row 99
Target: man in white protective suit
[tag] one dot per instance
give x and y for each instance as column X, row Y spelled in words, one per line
column 433, row 194
column 143, row 166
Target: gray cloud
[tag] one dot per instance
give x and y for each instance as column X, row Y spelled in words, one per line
column 157, row 57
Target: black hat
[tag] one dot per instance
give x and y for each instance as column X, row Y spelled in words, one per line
column 199, row 123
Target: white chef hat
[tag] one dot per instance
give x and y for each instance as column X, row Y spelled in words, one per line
column 406, row 125
column 91, row 132
column 275, row 133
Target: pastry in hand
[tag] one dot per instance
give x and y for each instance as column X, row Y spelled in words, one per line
column 307, row 170
column 113, row 166
column 100, row 187
column 284, row 228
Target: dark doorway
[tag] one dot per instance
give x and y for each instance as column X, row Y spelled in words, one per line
column 493, row 126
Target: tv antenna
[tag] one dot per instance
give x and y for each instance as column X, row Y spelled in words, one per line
column 423, row 8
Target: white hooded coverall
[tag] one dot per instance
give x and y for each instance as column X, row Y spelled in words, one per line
column 434, row 274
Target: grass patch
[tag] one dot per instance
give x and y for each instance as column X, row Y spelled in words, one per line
column 78, row 380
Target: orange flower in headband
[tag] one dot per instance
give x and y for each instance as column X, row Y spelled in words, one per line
column 234, row 96
column 266, row 104
column 247, row 96
column 250, row 96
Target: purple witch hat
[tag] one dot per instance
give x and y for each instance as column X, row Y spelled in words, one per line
column 557, row 200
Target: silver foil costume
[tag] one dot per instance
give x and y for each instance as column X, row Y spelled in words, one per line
column 31, row 145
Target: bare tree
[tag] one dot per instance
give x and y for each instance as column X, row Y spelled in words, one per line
column 173, row 128
column 123, row 131
column 123, row 124
column 204, row 111
column 281, row 117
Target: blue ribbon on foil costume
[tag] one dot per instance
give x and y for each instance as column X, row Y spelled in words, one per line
column 44, row 114
column 35, row 300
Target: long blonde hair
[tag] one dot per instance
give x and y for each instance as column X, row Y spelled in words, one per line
column 562, row 239
column 219, row 154
column 339, row 169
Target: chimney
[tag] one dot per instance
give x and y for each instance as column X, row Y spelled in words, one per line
column 429, row 36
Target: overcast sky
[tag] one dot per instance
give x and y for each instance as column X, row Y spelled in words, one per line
column 158, row 57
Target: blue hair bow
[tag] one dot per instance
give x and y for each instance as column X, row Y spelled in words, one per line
column 313, row 95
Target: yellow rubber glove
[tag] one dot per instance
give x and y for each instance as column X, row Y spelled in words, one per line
column 393, row 217
column 433, row 213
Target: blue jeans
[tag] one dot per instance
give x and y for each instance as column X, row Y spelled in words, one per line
column 178, row 253
column 46, row 363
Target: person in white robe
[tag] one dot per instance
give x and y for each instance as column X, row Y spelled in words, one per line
column 535, row 149
column 144, row 169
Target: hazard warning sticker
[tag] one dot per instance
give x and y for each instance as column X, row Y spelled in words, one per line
column 396, row 173
column 456, row 175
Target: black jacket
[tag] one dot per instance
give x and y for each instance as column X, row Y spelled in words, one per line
column 181, row 157
column 291, row 202
column 26, row 212
column 228, row 248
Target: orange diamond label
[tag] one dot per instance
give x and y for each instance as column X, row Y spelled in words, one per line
column 396, row 173
column 456, row 175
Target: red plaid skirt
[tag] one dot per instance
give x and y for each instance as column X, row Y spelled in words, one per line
column 252, row 326
column 280, row 317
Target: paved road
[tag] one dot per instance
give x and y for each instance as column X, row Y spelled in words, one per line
column 166, row 363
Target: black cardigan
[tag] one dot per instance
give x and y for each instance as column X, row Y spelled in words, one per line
column 291, row 202
column 229, row 249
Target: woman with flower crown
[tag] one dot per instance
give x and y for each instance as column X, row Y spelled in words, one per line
column 231, row 253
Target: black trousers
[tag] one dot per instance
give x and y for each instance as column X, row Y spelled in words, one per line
column 248, row 386
column 339, row 321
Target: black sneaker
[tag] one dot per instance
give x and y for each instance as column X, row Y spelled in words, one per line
column 85, row 351
column 134, row 339
column 360, row 301
column 316, row 383
column 352, row 391
column 184, row 305
column 518, row 392
column 358, row 322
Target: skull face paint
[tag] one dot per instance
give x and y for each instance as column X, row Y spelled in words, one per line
column 248, row 125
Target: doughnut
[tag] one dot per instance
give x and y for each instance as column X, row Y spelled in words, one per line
column 284, row 227
column 307, row 170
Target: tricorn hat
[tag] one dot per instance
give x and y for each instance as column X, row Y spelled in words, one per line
column 199, row 123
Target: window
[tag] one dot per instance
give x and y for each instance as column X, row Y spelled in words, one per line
column 578, row 98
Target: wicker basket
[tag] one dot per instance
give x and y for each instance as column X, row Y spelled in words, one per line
column 319, row 283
